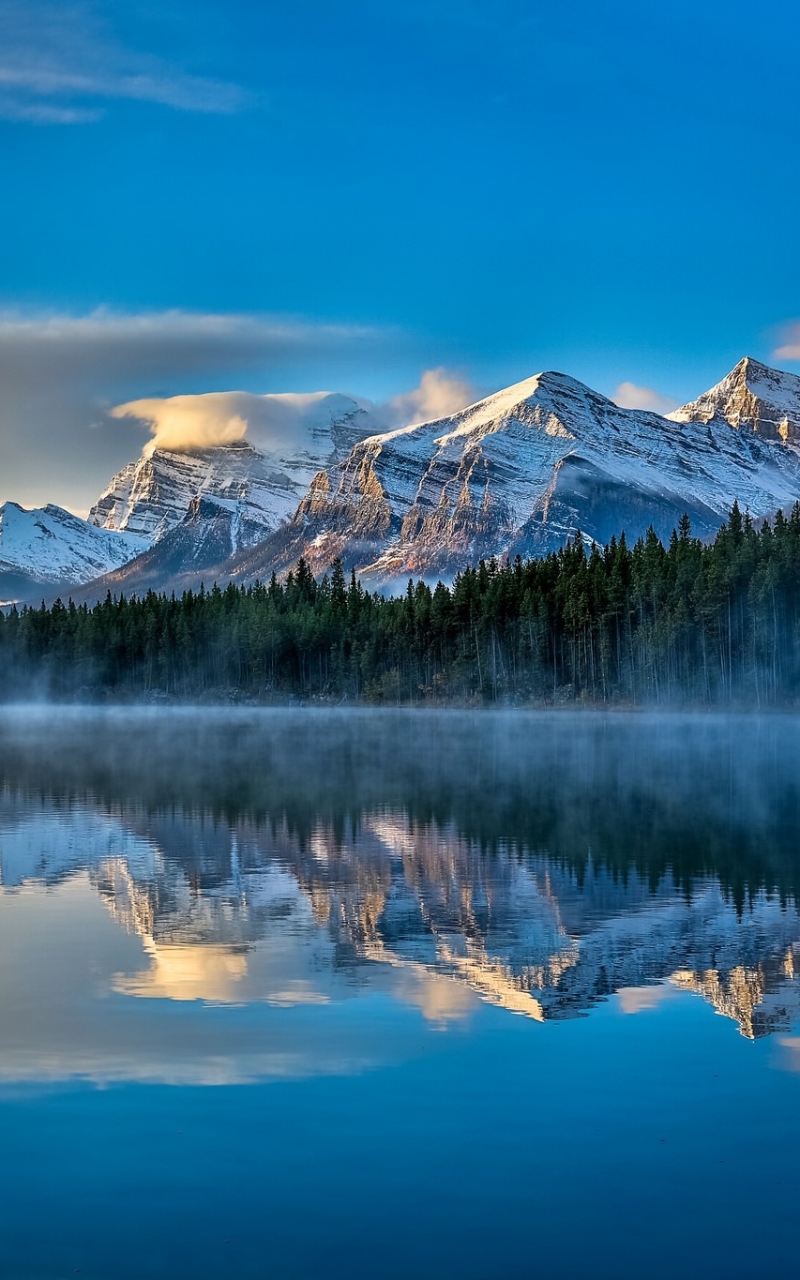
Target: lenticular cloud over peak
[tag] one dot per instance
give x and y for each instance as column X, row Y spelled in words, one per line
column 189, row 422
column 269, row 422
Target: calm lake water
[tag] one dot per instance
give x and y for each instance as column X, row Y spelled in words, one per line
column 309, row 993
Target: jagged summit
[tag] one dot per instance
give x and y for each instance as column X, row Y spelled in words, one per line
column 752, row 397
column 152, row 495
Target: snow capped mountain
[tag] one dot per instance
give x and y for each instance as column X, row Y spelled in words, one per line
column 752, row 397
column 51, row 547
column 519, row 472
column 297, row 435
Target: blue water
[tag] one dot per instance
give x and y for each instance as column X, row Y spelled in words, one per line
column 300, row 994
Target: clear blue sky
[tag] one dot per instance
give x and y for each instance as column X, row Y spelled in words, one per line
column 345, row 194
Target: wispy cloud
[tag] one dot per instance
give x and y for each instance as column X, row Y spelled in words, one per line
column 630, row 396
column 173, row 341
column 77, row 389
column 790, row 344
column 270, row 422
column 60, row 65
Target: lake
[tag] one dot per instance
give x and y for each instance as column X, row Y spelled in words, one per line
column 326, row 992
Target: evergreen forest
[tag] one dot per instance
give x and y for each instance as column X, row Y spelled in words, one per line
column 690, row 623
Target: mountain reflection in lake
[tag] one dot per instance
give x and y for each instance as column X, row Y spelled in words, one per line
column 300, row 900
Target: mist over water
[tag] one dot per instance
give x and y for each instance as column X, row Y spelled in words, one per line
column 556, row 950
column 689, row 794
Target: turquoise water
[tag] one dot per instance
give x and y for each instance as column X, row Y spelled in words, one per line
column 315, row 993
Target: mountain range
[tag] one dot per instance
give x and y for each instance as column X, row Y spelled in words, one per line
column 519, row 472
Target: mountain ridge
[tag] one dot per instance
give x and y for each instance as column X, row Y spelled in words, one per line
column 49, row 547
column 517, row 472
column 245, row 493
column 152, row 494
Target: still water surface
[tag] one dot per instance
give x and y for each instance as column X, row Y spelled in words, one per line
column 309, row 993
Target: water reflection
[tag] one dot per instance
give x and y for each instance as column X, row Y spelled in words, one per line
column 308, row 862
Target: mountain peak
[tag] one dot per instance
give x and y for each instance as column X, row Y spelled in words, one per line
column 549, row 396
column 749, row 365
column 50, row 546
column 752, row 397
column 757, row 374
column 521, row 471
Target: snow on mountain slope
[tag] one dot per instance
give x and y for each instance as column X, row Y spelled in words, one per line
column 50, row 546
column 296, row 436
column 151, row 495
column 752, row 397
column 519, row 472
column 186, row 555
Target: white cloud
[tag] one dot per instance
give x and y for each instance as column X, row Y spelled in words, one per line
column 270, row 422
column 642, row 999
column 439, row 394
column 790, row 347
column 78, row 389
column 188, row 422
column 630, row 396
column 46, row 112
column 55, row 57
column 134, row 341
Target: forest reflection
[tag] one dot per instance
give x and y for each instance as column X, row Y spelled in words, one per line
column 540, row 863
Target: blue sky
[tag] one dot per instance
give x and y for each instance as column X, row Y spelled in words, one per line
column 207, row 195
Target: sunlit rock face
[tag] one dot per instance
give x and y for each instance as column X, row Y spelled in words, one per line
column 752, row 398
column 261, row 486
column 520, row 473
column 199, row 507
column 210, row 532
column 153, row 494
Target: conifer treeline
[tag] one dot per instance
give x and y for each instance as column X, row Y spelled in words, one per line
column 648, row 624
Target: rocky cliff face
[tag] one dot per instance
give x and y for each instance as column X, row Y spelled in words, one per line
column 752, row 398
column 152, row 495
column 186, row 555
column 519, row 473
column 261, row 486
